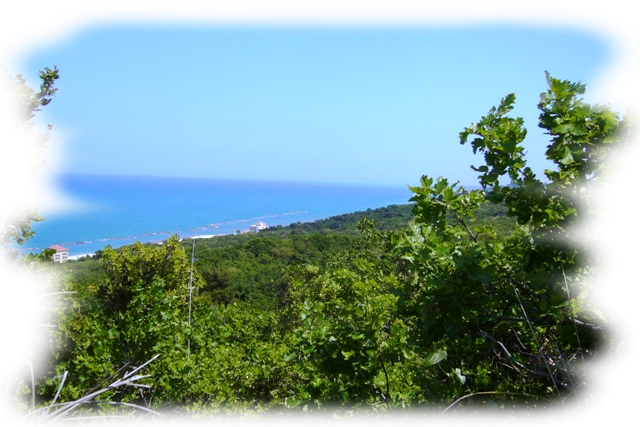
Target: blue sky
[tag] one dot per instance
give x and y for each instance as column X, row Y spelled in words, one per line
column 352, row 104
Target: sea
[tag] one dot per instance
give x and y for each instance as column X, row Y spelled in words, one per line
column 120, row 210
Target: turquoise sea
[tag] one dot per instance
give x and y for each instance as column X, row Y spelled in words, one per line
column 119, row 210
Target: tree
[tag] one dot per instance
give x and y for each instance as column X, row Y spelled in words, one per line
column 149, row 285
column 451, row 306
column 19, row 118
column 513, row 312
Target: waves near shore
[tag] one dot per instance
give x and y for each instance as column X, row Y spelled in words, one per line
column 129, row 209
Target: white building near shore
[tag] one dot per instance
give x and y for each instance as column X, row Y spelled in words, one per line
column 61, row 255
column 257, row 227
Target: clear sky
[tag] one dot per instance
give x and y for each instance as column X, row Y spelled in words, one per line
column 353, row 104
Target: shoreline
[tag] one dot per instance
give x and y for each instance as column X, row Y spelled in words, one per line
column 151, row 238
column 205, row 236
column 116, row 242
column 224, row 227
column 125, row 210
column 198, row 236
column 76, row 257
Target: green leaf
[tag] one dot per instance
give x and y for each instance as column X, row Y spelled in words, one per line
column 348, row 354
column 567, row 157
column 436, row 357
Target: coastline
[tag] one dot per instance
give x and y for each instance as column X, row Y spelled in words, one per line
column 77, row 257
column 92, row 254
column 119, row 211
column 78, row 249
column 346, row 221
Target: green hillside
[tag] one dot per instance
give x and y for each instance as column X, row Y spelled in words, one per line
column 457, row 302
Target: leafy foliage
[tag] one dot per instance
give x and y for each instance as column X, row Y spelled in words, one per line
column 512, row 311
column 480, row 296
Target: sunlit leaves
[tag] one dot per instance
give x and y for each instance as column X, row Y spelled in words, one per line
column 498, row 137
column 465, row 281
column 457, row 303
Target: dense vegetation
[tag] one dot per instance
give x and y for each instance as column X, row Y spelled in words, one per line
column 251, row 267
column 471, row 298
column 247, row 267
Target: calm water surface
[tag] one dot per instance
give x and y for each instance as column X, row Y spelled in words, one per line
column 120, row 210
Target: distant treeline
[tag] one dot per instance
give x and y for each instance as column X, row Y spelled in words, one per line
column 253, row 267
column 250, row 267
column 387, row 218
